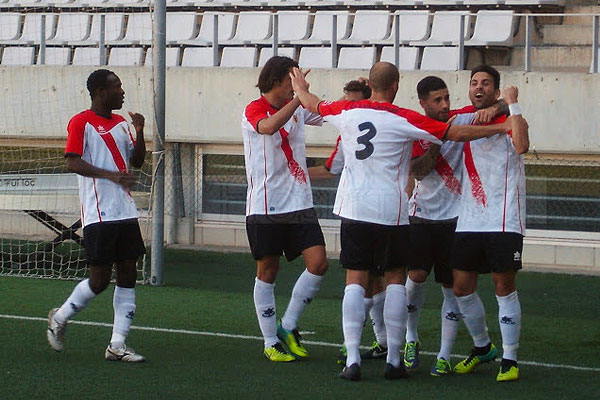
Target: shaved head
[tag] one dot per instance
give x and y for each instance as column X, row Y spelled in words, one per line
column 383, row 76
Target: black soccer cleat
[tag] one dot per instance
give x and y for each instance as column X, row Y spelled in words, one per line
column 351, row 373
column 392, row 372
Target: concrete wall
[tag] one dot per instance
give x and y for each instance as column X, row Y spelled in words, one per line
column 204, row 105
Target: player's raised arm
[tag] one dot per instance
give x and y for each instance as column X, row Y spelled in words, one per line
column 139, row 150
column 301, row 86
column 520, row 128
column 273, row 123
column 465, row 133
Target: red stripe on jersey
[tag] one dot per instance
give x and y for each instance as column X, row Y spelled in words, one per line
column 429, row 125
column 329, row 161
column 446, row 172
column 476, row 186
column 109, row 140
column 465, row 110
column 295, row 168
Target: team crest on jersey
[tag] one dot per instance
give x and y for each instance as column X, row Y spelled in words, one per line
column 101, row 130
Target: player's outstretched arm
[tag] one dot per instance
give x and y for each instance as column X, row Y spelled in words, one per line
column 421, row 166
column 139, row 150
column 300, row 86
column 520, row 128
column 487, row 115
column 465, row 133
column 77, row 165
column 319, row 173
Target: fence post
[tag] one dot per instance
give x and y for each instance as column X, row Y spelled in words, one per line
column 215, row 43
column 275, row 33
column 102, row 40
column 158, row 141
column 595, row 44
column 461, row 43
column 397, row 39
column 334, row 41
column 42, row 59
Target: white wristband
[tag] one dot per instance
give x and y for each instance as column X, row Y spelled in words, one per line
column 514, row 109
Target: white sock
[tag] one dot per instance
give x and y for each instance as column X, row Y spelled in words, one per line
column 473, row 314
column 304, row 290
column 368, row 304
column 395, row 314
column 79, row 298
column 415, row 297
column 376, row 314
column 264, row 303
column 509, row 316
column 124, row 307
column 450, row 320
column 353, row 317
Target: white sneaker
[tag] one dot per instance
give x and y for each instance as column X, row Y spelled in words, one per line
column 123, row 353
column 56, row 331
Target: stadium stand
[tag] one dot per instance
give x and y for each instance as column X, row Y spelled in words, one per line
column 408, row 57
column 413, row 26
column 56, row 56
column 32, row 29
column 252, row 27
column 126, row 56
column 197, row 57
column 72, row 27
column 440, row 59
column 315, row 57
column 114, row 25
column 171, row 57
column 369, row 26
column 226, row 25
column 493, row 28
column 236, row 57
column 322, row 27
column 86, row 56
column 10, row 26
column 357, row 57
column 445, row 28
column 18, row 55
column 267, row 52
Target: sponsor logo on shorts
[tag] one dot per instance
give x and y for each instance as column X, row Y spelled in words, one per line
column 517, row 256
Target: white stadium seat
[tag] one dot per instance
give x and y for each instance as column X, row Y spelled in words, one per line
column 445, row 28
column 322, row 27
column 440, row 59
column 408, row 57
column 139, row 29
column 414, row 26
column 10, row 25
column 369, row 26
column 32, row 28
column 252, row 27
column 493, row 28
column 72, row 27
column 56, row 56
column 86, row 56
column 357, row 57
column 239, row 57
column 18, row 56
column 126, row 56
column 315, row 57
column 171, row 56
column 267, row 52
column 181, row 26
column 113, row 29
column 293, row 26
column 226, row 26
column 197, row 57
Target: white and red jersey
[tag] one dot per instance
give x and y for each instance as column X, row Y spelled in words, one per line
column 276, row 169
column 377, row 143
column 106, row 144
column 437, row 196
column 493, row 186
column 335, row 162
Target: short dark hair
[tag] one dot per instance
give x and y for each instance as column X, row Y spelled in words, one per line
column 489, row 70
column 429, row 84
column 275, row 70
column 358, row 86
column 97, row 80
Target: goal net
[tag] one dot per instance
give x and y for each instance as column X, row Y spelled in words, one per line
column 46, row 57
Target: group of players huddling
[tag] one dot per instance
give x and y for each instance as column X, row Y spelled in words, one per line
column 464, row 216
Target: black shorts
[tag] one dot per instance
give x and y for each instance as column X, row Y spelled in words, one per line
column 289, row 233
column 431, row 247
column 486, row 252
column 373, row 247
column 108, row 242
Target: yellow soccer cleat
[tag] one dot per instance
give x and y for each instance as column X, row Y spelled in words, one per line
column 509, row 371
column 468, row 364
column 292, row 340
column 277, row 353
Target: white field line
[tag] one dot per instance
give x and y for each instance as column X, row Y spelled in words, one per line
column 236, row 336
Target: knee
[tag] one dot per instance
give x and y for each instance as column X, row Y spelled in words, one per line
column 505, row 288
column 417, row 275
column 319, row 268
column 99, row 283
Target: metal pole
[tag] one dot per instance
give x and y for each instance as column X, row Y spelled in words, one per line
column 215, row 40
column 461, row 43
column 275, row 33
column 334, row 41
column 102, row 40
column 397, row 40
column 158, row 139
column 527, row 44
column 42, row 60
column 595, row 45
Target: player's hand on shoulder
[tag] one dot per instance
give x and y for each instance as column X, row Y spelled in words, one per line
column 484, row 116
column 511, row 95
column 137, row 120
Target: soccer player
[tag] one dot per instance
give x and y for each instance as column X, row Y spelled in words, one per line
column 100, row 148
column 375, row 294
column 433, row 211
column 371, row 200
column 490, row 229
column 280, row 218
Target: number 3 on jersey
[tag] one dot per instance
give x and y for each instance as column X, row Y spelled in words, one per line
column 365, row 140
